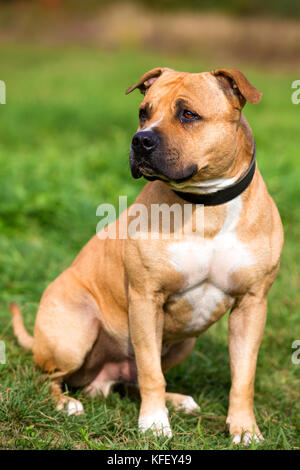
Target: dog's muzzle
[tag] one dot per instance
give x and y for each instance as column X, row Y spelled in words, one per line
column 143, row 144
column 149, row 158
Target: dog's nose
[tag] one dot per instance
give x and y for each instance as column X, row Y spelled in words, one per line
column 144, row 141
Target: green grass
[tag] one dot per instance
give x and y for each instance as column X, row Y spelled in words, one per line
column 64, row 141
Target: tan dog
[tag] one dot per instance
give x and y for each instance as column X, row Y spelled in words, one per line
column 129, row 309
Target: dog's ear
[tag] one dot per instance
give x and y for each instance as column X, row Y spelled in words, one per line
column 239, row 85
column 147, row 80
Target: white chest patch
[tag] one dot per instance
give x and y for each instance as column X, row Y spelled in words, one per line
column 208, row 265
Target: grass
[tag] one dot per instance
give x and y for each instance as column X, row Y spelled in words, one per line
column 64, row 140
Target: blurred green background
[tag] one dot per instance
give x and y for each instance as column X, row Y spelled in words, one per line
column 65, row 134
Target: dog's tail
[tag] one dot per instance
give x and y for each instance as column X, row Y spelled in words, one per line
column 23, row 337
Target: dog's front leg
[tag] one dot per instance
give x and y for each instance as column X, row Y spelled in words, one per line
column 246, row 326
column 146, row 328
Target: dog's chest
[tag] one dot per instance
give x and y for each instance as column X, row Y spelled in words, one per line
column 207, row 266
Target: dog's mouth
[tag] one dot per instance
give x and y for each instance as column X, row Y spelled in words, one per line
column 150, row 174
column 169, row 175
column 139, row 171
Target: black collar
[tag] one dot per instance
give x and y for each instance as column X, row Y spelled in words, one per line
column 223, row 195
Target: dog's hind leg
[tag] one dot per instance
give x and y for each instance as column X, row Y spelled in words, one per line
column 111, row 373
column 183, row 403
column 63, row 402
column 66, row 328
column 175, row 355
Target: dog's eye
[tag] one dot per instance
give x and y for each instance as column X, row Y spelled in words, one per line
column 142, row 114
column 189, row 115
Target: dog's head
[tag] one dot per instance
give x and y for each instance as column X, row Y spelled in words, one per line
column 189, row 124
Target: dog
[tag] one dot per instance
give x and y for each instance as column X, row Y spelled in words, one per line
column 129, row 308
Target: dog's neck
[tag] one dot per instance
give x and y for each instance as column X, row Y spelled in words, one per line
column 202, row 187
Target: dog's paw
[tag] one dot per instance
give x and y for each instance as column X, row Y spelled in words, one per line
column 244, row 430
column 157, row 422
column 98, row 389
column 189, row 406
column 71, row 407
column 74, row 407
column 247, row 438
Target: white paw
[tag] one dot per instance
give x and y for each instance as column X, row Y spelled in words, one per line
column 98, row 389
column 247, row 438
column 157, row 422
column 74, row 407
column 189, row 406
